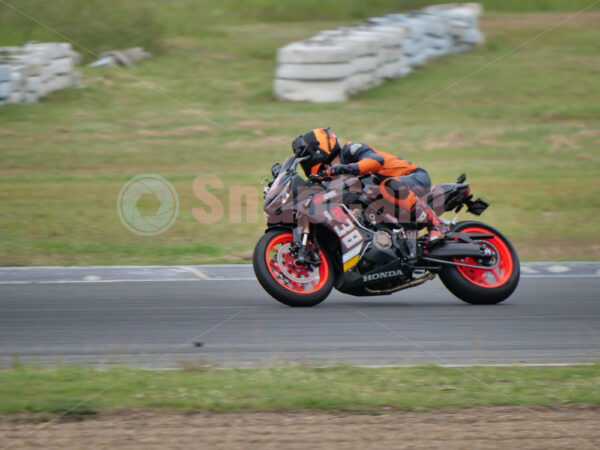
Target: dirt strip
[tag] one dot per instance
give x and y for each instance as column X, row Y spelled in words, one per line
column 482, row 428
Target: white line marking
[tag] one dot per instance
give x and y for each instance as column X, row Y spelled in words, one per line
column 156, row 280
column 92, row 278
column 384, row 366
column 560, row 275
column 527, row 265
column 488, row 365
column 195, row 272
column 475, row 378
column 170, row 280
column 558, row 269
column 210, row 266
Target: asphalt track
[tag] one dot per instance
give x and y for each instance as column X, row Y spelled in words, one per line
column 172, row 316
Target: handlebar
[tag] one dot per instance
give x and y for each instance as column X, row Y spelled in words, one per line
column 320, row 177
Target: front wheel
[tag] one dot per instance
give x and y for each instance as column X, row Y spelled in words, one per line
column 275, row 267
column 484, row 286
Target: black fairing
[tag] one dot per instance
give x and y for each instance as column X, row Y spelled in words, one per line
column 447, row 197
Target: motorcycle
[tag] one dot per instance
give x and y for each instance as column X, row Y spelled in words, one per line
column 325, row 233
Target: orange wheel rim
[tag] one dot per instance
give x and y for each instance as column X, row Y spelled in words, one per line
column 295, row 278
column 488, row 278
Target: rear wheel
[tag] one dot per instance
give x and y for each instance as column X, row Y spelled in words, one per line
column 484, row 286
column 292, row 284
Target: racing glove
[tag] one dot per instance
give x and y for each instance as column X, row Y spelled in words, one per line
column 341, row 169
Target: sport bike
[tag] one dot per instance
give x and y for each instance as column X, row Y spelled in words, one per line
column 326, row 233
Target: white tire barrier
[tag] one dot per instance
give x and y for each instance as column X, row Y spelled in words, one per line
column 5, row 85
column 314, row 71
column 315, row 91
column 335, row 64
column 32, row 71
column 310, row 53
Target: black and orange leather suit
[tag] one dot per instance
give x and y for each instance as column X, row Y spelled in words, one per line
column 401, row 182
column 400, row 179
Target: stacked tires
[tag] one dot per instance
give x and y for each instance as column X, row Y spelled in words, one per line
column 337, row 64
column 33, row 71
column 5, row 84
column 314, row 71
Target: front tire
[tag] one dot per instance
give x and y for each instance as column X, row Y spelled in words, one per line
column 292, row 285
column 480, row 286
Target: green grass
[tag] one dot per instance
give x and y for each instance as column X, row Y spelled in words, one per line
column 95, row 25
column 107, row 24
column 29, row 389
column 525, row 130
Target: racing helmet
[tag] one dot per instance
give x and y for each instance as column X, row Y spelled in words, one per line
column 320, row 144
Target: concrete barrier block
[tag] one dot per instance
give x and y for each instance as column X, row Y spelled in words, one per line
column 311, row 91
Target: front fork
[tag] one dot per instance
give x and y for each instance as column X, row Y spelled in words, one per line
column 301, row 233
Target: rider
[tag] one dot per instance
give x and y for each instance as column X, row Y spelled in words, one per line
column 399, row 179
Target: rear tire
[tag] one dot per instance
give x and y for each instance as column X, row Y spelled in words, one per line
column 289, row 284
column 484, row 287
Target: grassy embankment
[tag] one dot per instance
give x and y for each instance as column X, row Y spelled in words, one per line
column 342, row 388
column 526, row 130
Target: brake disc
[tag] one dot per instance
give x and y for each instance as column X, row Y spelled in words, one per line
column 313, row 274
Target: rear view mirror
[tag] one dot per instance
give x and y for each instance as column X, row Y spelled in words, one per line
column 275, row 169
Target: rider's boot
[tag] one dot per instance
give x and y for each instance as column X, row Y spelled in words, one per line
column 407, row 201
column 437, row 228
